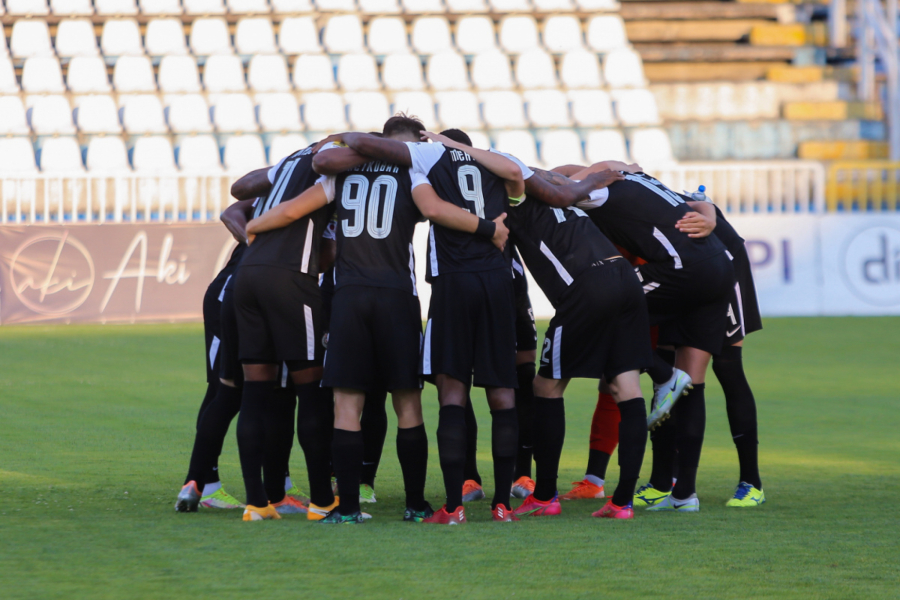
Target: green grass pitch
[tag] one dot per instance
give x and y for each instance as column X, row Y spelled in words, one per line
column 96, row 426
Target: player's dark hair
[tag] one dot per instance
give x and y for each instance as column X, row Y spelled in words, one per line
column 401, row 123
column 375, row 133
column 458, row 135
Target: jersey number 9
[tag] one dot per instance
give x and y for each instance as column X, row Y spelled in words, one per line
column 471, row 194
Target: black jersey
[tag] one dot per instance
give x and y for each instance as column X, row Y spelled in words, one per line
column 557, row 244
column 459, row 179
column 295, row 247
column 376, row 220
column 639, row 214
column 727, row 234
column 234, row 263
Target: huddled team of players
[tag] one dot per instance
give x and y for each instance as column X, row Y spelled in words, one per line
column 325, row 259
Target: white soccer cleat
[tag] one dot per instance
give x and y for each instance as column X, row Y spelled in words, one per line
column 670, row 503
column 666, row 395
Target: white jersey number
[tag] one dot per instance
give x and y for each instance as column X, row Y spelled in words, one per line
column 356, row 201
column 471, row 194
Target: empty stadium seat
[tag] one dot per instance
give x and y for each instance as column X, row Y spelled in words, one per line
column 279, row 112
column 358, row 72
column 314, row 72
column 447, row 71
column 199, row 154
column 535, row 69
column 298, row 35
column 561, row 147
column 343, row 33
column 87, row 74
column 562, row 33
column 204, row 7
column 13, row 121
column 479, row 139
column 467, row 6
column 234, row 112
column 121, row 37
column 52, row 115
column 551, row 6
column 431, row 35
column 324, row 111
column 458, row 109
column 367, row 111
column 416, row 104
column 623, row 68
column 502, row 109
column 165, row 36
column 17, row 156
column 42, row 74
column 635, row 107
column 144, row 114
column 210, row 36
column 402, row 72
column 244, row 153
column 520, row 144
column 97, row 114
column 255, row 36
column 247, row 6
column 285, row 145
column 491, row 71
column 133, row 74
column 268, row 73
column 61, row 155
column 107, row 155
column 379, row 7
column 548, row 108
column 336, row 5
column 475, row 35
column 387, row 36
column 178, row 74
column 8, row 83
column 292, row 6
column 224, row 73
column 518, row 34
column 505, row 6
column 67, row 8
column 75, row 37
column 27, row 7
column 580, row 69
column 116, row 7
column 189, row 113
column 30, row 37
column 606, row 32
column 605, row 144
column 153, row 156
column 591, row 108
column 161, row 7
column 651, row 147
column 415, row 7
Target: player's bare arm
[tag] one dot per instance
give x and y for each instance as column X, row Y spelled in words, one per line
column 497, row 164
column 235, row 218
column 332, row 161
column 567, row 194
column 614, row 165
column 252, row 185
column 388, row 150
column 700, row 223
column 287, row 212
column 451, row 216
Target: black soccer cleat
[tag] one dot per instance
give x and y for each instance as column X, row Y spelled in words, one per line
column 412, row 515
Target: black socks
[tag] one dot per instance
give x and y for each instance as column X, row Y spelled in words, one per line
column 689, row 416
column 632, row 442
column 412, row 450
column 347, row 453
column 663, row 361
column 451, row 434
column 663, row 440
column 504, row 447
column 741, row 408
column 315, row 424
column 599, row 460
column 212, row 427
column 374, row 425
column 549, row 435
column 279, row 423
column 471, row 467
column 525, row 411
column 252, row 438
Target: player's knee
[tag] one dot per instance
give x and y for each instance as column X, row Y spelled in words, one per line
column 259, row 372
column 549, row 388
column 500, row 398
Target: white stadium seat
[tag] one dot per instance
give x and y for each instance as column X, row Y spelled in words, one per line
column 106, row 155
column 16, row 156
column 13, row 121
column 292, row 6
column 475, row 35
column 189, row 113
column 27, row 7
column 61, row 155
column 298, row 35
column 379, row 7
column 635, row 107
column 161, row 7
column 431, row 35
column 591, row 108
column 553, row 6
column 234, row 112
column 65, row 8
column 562, row 33
column 314, row 72
column 279, row 112
column 268, row 73
column 336, row 5
column 247, row 6
column 548, row 108
column 153, row 156
column 210, row 36
column 224, row 73
column 505, row 6
column 605, row 144
column 358, row 72
column 324, row 111
column 623, row 68
column 87, row 74
column 518, row 34
column 502, row 110
column 30, row 37
column 535, row 69
column 416, row 104
column 415, row 7
column 458, row 109
column 479, row 139
column 178, row 74
column 492, row 71
column 520, row 144
column 204, row 7
column 116, row 7
column 165, row 36
column 244, row 153
column 255, row 36
column 561, row 147
column 97, row 114
column 387, row 36
column 447, row 71
column 75, row 37
column 343, row 33
column 606, row 32
column 285, row 145
column 121, row 37
column 52, row 115
column 367, row 111
column 403, row 72
column 42, row 74
column 133, row 74
column 580, row 69
column 199, row 154
column 8, row 83
column 651, row 148
column 467, row 6
column 144, row 114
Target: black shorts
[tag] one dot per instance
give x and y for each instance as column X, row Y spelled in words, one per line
column 601, row 327
column 471, row 329
column 327, row 290
column 374, row 341
column 526, row 330
column 229, row 362
column 688, row 304
column 743, row 317
column 278, row 317
column 212, row 324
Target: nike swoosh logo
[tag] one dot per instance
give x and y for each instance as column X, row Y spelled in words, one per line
column 731, row 333
column 677, row 505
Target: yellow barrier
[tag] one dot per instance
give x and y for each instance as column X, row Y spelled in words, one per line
column 864, row 184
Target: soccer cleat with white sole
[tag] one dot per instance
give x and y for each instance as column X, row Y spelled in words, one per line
column 290, row 506
column 367, row 493
column 188, row 499
column 220, row 499
column 317, row 513
column 746, row 496
column 522, row 487
column 647, row 495
column 666, row 395
column 254, row 513
column 671, row 504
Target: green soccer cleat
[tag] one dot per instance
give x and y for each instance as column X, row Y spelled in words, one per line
column 666, row 395
column 671, row 504
column 220, row 499
column 336, row 518
column 366, row 493
column 746, row 495
column 297, row 494
column 411, row 515
column 647, row 495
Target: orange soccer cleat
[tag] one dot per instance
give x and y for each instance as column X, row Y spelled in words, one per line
column 584, row 490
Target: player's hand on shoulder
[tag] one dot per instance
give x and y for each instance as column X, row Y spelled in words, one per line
column 602, row 179
column 334, row 137
column 501, row 234
column 695, row 225
column 437, row 138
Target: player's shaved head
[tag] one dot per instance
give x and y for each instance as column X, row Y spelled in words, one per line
column 401, row 126
column 458, row 135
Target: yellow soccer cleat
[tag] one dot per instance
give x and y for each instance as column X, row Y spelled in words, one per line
column 648, row 496
column 254, row 513
column 746, row 495
column 317, row 513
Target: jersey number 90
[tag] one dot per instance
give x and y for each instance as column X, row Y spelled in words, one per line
column 357, row 203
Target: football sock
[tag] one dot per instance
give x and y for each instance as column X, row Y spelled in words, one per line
column 661, row 370
column 549, row 434
column 525, row 411
column 251, row 436
column 451, row 434
column 211, row 431
column 347, row 450
column 211, row 389
column 288, row 484
column 412, row 450
column 632, row 442
column 690, row 420
column 741, row 408
column 597, row 463
column 663, row 441
column 471, row 467
column 374, row 425
column 504, row 448
column 279, row 424
column 315, row 425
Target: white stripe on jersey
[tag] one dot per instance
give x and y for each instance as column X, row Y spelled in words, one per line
column 650, row 287
column 412, row 269
column 740, row 303
column 434, row 265
column 728, row 254
column 559, row 268
column 213, row 351
column 284, row 374
column 310, row 334
column 660, row 190
column 426, row 350
column 307, row 248
column 222, row 293
column 668, row 246
column 557, row 342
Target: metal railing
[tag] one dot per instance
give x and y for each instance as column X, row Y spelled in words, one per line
column 863, row 185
